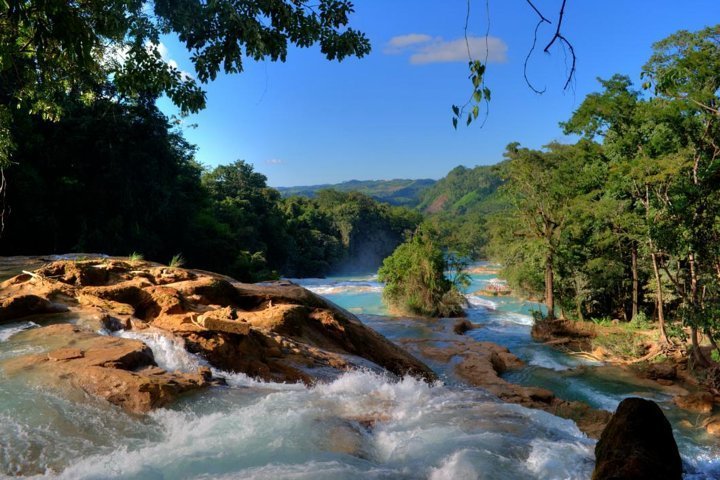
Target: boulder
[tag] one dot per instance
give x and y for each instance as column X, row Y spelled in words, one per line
column 277, row 331
column 637, row 444
column 119, row 370
column 661, row 371
column 699, row 402
column 712, row 426
column 462, row 325
column 25, row 305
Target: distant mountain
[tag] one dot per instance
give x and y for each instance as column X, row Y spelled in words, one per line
column 465, row 190
column 403, row 192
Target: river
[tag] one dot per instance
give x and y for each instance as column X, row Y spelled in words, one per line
column 360, row 425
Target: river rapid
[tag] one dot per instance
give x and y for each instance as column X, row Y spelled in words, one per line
column 361, row 425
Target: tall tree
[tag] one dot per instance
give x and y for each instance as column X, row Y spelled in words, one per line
column 50, row 48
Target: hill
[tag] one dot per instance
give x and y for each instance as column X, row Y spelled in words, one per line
column 465, row 190
column 403, row 192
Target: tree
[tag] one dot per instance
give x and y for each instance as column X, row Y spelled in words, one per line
column 541, row 186
column 50, row 48
column 415, row 280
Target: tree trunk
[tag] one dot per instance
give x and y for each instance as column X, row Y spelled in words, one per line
column 659, row 298
column 635, row 282
column 700, row 358
column 549, row 279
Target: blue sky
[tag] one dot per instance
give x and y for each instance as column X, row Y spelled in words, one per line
column 388, row 115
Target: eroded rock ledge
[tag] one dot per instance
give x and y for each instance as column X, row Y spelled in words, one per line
column 482, row 363
column 120, row 370
column 276, row 332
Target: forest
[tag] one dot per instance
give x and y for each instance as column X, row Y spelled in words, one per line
column 624, row 224
column 621, row 224
column 119, row 179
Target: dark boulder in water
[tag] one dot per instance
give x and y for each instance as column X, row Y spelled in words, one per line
column 637, row 444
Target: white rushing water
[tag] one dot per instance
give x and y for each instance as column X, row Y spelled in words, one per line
column 10, row 329
column 325, row 432
column 359, row 425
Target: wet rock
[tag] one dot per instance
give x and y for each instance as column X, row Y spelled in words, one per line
column 462, row 326
column 25, row 305
column 233, row 325
column 637, row 444
column 699, row 402
column 661, row 371
column 119, row 370
column 482, row 363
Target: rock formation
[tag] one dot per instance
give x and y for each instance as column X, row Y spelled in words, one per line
column 276, row 332
column 482, row 363
column 637, row 444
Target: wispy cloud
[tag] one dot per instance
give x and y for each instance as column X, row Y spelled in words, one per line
column 275, row 161
column 401, row 42
column 425, row 49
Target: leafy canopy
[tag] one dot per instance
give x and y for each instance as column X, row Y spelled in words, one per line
column 49, row 48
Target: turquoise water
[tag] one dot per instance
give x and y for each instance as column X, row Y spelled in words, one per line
column 358, row 425
column 507, row 321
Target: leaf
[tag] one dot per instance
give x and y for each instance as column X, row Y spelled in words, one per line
column 486, row 93
column 469, row 119
column 454, row 120
column 475, row 111
column 456, row 110
column 477, row 96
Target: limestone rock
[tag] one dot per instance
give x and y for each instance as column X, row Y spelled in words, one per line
column 482, row 363
column 637, row 444
column 462, row 325
column 700, row 402
column 235, row 326
column 119, row 370
column 25, row 305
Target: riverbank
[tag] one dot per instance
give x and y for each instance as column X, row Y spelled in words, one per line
column 637, row 352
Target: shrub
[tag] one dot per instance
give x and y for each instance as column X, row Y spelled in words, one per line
column 415, row 280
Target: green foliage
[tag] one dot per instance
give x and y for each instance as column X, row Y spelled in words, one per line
column 480, row 93
column 176, row 261
column 50, row 48
column 415, row 280
column 640, row 322
column 136, row 257
column 625, row 344
column 109, row 177
column 628, row 226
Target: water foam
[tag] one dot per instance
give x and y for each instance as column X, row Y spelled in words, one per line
column 476, row 301
column 10, row 329
column 362, row 425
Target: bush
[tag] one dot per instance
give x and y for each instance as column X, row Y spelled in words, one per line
column 415, row 280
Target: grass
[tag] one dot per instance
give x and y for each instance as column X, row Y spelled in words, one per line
column 624, row 344
column 177, row 261
column 136, row 257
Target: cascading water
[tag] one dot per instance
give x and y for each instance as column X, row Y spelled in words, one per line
column 359, row 425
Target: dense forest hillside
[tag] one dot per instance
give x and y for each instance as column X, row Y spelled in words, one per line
column 402, row 192
column 117, row 178
column 465, row 190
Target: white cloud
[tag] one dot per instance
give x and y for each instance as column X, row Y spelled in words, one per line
column 275, row 161
column 425, row 49
column 401, row 42
column 165, row 56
